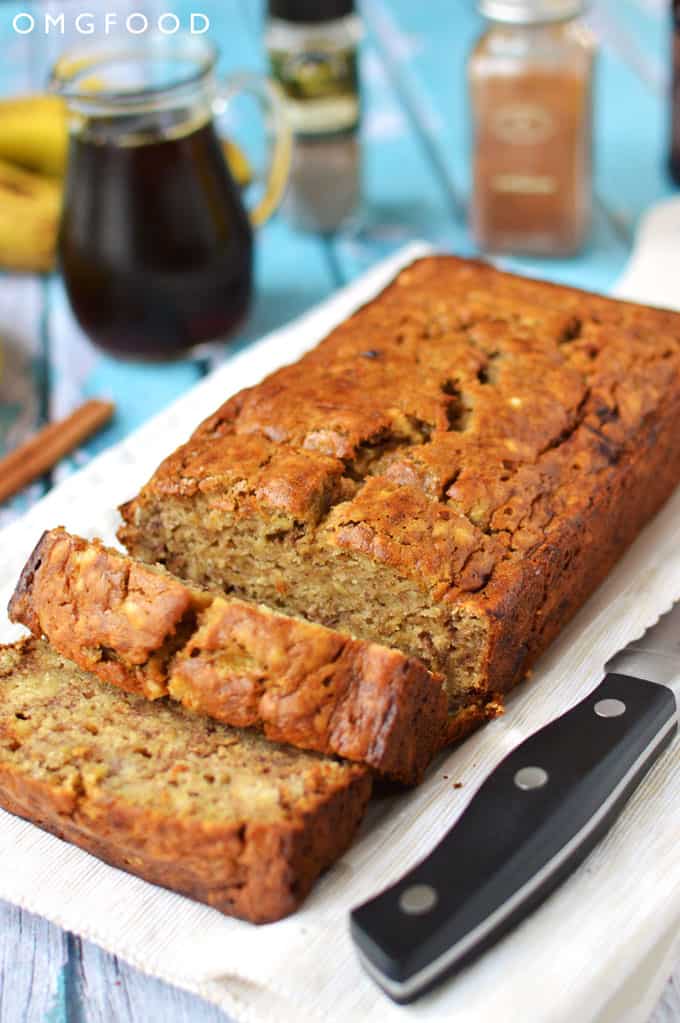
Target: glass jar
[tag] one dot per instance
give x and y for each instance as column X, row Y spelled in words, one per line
column 530, row 79
column 313, row 55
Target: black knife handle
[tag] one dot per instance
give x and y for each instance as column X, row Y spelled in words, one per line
column 528, row 826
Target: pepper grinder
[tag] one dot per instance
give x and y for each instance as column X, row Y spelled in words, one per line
column 313, row 54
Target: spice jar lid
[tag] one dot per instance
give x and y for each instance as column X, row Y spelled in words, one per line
column 527, row 12
column 310, row 11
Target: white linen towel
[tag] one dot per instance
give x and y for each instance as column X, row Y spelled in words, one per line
column 599, row 949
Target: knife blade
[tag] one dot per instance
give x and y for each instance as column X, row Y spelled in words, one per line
column 528, row 826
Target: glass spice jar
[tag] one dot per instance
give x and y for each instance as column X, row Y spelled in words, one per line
column 530, row 79
column 313, row 54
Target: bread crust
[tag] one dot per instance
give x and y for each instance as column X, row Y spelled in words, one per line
column 104, row 611
column 313, row 688
column 145, row 631
column 493, row 442
column 528, row 611
column 256, row 870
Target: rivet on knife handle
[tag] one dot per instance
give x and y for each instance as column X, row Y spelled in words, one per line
column 529, row 825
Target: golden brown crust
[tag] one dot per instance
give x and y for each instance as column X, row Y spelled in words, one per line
column 471, row 716
column 312, row 687
column 104, row 611
column 529, row 610
column 145, row 631
column 258, row 873
column 259, row 870
column 501, row 440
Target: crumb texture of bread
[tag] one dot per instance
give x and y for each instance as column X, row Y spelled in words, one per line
column 216, row 813
column 146, row 631
column 452, row 471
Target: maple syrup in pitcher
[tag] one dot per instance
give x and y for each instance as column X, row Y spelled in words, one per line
column 156, row 247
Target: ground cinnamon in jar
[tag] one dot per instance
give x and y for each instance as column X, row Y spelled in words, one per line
column 530, row 82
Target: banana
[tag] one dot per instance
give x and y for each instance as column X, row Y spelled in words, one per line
column 30, row 205
column 238, row 163
column 33, row 133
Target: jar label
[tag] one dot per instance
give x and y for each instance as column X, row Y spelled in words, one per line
column 321, row 89
column 523, row 124
column 525, row 184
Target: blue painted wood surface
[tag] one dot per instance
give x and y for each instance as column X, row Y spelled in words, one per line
column 416, row 186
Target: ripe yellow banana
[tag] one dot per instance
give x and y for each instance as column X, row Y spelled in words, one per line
column 33, row 133
column 29, row 217
column 239, row 164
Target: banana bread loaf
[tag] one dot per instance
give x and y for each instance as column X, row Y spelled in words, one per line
column 138, row 627
column 452, row 471
column 216, row 813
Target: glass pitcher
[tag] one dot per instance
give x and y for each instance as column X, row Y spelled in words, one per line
column 155, row 245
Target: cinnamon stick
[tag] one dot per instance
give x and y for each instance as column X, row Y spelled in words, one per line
column 42, row 452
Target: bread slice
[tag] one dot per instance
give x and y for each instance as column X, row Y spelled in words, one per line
column 145, row 631
column 217, row 813
column 452, row 471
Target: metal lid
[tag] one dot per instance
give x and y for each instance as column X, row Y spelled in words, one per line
column 527, row 12
column 310, row 11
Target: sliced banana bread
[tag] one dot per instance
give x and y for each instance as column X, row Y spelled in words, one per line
column 217, row 813
column 143, row 630
column 451, row 472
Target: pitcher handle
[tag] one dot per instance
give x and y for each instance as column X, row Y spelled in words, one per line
column 279, row 136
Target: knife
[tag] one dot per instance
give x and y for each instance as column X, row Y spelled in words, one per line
column 529, row 825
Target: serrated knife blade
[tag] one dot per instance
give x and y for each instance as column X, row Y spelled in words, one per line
column 530, row 824
column 655, row 656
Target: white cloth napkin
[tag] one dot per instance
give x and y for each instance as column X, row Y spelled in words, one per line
column 599, row 949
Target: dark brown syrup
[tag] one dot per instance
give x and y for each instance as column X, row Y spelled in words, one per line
column 156, row 248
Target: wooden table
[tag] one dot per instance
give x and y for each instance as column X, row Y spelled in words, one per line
column 416, row 184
